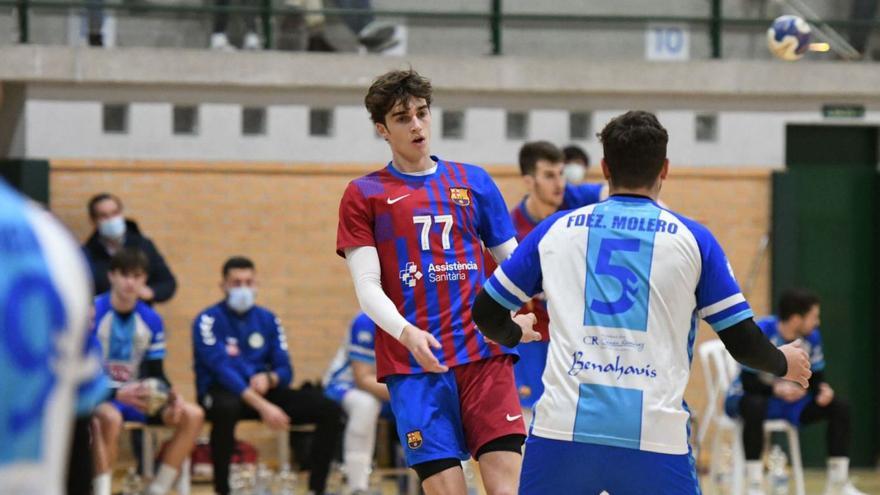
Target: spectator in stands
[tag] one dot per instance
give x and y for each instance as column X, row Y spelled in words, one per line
column 375, row 35
column 757, row 396
column 219, row 38
column 577, row 161
column 243, row 371
column 351, row 32
column 113, row 232
column 351, row 381
column 95, row 18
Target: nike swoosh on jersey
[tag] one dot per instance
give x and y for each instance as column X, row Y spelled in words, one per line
column 395, row 200
column 513, row 418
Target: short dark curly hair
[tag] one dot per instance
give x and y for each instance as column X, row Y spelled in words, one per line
column 395, row 87
column 634, row 145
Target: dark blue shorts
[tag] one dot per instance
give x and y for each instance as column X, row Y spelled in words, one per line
column 556, row 466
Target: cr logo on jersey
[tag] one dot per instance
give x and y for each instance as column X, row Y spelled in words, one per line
column 460, row 196
column 414, row 439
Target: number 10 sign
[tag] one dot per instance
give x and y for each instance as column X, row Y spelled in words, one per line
column 667, row 42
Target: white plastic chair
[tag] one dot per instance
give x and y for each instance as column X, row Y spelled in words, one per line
column 719, row 371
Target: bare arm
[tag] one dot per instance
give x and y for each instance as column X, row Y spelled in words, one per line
column 365, row 379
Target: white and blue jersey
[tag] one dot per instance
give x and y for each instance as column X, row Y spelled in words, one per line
column 127, row 339
column 45, row 356
column 360, row 346
column 626, row 282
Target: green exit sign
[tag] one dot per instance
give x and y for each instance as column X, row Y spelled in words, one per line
column 843, row 111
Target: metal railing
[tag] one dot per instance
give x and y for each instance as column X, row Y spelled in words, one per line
column 495, row 18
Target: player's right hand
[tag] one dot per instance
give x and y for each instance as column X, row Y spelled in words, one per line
column 134, row 394
column 798, row 364
column 274, row 417
column 419, row 343
column 527, row 323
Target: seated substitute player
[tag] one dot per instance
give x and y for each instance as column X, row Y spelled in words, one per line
column 243, row 371
column 132, row 340
column 625, row 281
column 351, row 381
column 45, row 290
column 412, row 236
column 541, row 165
column 756, row 396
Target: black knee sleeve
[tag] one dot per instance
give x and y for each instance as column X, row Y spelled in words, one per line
column 507, row 443
column 427, row 469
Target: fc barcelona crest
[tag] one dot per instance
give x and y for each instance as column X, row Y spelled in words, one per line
column 460, row 196
column 414, row 439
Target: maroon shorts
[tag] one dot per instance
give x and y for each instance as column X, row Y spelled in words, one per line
column 489, row 402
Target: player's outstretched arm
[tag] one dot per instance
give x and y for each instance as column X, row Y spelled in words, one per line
column 495, row 323
column 749, row 346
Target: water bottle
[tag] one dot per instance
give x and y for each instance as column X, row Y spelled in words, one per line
column 248, row 480
column 263, row 485
column 286, row 481
column 236, row 482
column 132, row 484
column 777, row 461
column 723, row 478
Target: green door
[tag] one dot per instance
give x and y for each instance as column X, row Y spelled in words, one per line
column 825, row 238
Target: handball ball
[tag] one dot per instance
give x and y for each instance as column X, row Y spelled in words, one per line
column 157, row 395
column 789, row 37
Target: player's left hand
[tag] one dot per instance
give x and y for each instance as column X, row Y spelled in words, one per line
column 527, row 323
column 825, row 395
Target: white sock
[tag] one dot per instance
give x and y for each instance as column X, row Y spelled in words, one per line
column 755, row 472
column 357, row 470
column 838, row 469
column 162, row 483
column 101, row 484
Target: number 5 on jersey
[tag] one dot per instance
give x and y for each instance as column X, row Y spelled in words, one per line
column 617, row 288
column 426, row 221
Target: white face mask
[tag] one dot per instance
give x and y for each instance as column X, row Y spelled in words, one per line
column 112, row 228
column 240, row 299
column 574, row 172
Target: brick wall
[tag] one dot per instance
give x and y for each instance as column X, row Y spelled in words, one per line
column 283, row 216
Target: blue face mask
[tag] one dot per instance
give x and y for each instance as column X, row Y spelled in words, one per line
column 240, row 299
column 112, row 228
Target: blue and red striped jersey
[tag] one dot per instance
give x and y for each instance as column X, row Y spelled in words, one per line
column 428, row 231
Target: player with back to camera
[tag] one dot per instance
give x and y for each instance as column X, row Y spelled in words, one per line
column 625, row 281
column 44, row 309
column 412, row 235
